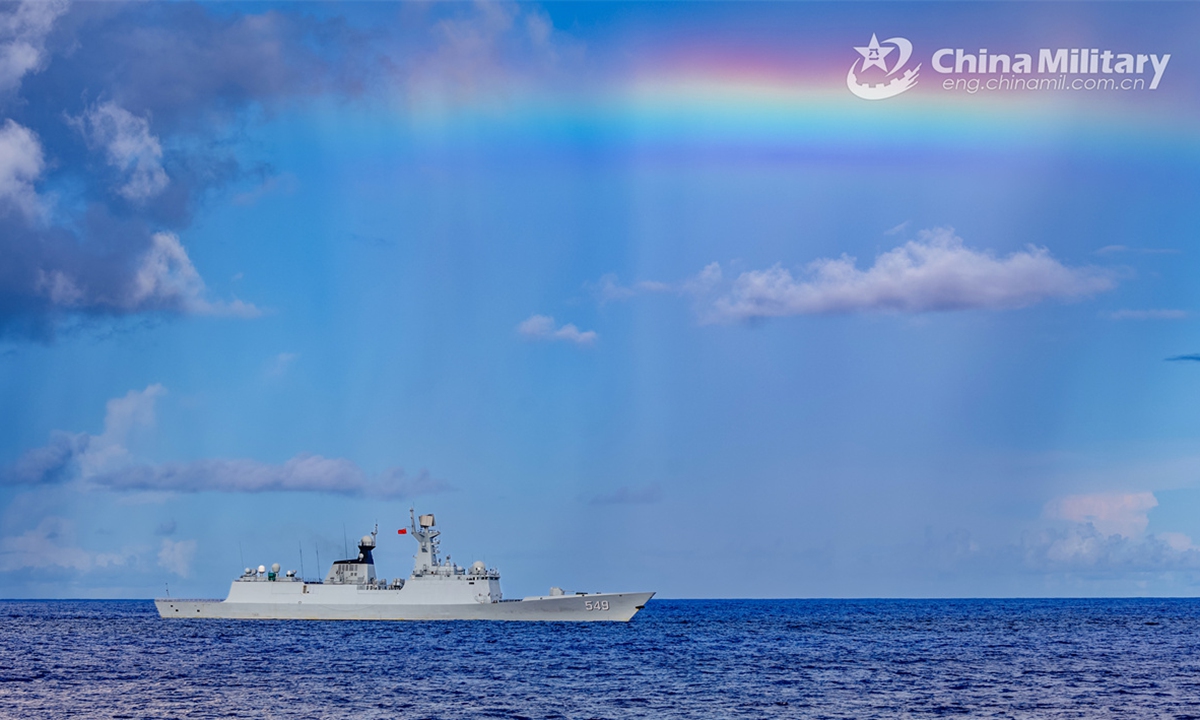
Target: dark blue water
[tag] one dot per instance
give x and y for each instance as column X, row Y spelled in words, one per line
column 685, row 659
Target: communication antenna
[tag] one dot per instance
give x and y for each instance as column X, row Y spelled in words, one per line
column 318, row 547
column 168, row 589
column 240, row 557
column 301, row 560
column 345, row 545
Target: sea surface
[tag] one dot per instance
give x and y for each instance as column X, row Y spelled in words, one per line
column 676, row 659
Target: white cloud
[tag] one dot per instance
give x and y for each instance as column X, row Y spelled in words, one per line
column 609, row 288
column 488, row 51
column 129, row 147
column 49, row 463
column 176, row 556
column 542, row 327
column 166, row 277
column 122, row 416
column 21, row 164
column 22, row 38
column 1084, row 548
column 52, row 544
column 1124, row 514
column 705, row 281
column 1176, row 541
column 70, row 455
column 162, row 278
column 104, row 461
column 1161, row 314
column 132, row 410
column 934, row 273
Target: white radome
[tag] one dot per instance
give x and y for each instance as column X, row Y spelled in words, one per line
column 437, row 589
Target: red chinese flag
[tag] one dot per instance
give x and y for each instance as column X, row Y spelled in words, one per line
column 402, row 531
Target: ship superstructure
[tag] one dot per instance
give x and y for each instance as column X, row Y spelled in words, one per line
column 437, row 589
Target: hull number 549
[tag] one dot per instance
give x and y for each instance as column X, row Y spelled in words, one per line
column 597, row 605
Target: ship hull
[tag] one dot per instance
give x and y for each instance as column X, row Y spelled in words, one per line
column 611, row 607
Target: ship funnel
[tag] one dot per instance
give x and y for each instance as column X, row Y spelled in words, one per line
column 426, row 521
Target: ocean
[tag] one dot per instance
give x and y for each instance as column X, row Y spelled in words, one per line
column 676, row 659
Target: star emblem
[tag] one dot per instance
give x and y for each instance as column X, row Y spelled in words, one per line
column 873, row 54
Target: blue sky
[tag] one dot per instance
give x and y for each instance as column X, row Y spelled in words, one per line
column 631, row 296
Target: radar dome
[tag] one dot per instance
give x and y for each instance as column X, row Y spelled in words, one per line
column 367, row 541
column 478, row 568
column 275, row 568
column 262, row 569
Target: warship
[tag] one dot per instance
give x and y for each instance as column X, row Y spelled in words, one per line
column 437, row 589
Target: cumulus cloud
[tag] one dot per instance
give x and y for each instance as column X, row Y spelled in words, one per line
column 162, row 97
column 129, row 147
column 138, row 159
column 47, row 277
column 934, row 273
column 543, row 327
column 166, row 278
column 71, row 455
column 123, row 415
column 1176, row 541
column 1084, row 548
column 487, row 50
column 1124, row 514
column 193, row 69
column 23, row 33
column 176, row 556
column 104, row 461
column 21, row 164
column 52, row 544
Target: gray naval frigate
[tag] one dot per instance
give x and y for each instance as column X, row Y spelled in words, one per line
column 437, row 589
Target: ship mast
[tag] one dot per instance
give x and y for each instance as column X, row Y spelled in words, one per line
column 426, row 560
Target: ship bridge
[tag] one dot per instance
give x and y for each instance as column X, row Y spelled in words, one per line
column 359, row 570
